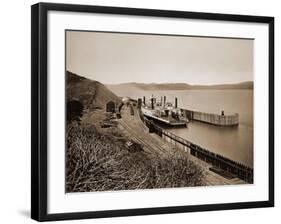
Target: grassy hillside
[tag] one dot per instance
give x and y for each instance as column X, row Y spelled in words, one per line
column 98, row 162
column 91, row 94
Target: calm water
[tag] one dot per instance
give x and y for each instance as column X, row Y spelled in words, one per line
column 233, row 142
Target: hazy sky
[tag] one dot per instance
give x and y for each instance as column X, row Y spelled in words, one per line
column 113, row 58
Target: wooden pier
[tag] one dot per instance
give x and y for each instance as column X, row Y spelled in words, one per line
column 211, row 118
column 221, row 119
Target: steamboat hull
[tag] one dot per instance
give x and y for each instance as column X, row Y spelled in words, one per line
column 164, row 120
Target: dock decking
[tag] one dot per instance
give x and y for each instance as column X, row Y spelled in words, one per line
column 211, row 118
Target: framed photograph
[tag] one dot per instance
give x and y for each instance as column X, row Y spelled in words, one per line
column 145, row 111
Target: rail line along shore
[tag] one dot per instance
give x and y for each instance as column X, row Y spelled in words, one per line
column 219, row 164
column 138, row 128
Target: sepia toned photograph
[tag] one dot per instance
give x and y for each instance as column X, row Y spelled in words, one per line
column 153, row 111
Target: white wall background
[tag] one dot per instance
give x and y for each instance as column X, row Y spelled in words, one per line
column 15, row 109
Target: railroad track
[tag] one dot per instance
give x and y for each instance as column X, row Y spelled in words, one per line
column 140, row 138
column 136, row 130
column 131, row 135
column 154, row 142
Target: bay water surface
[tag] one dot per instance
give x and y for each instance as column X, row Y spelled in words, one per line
column 236, row 142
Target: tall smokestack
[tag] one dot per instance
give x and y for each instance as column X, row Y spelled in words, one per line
column 139, row 103
column 144, row 100
column 161, row 101
column 176, row 102
column 152, row 103
column 164, row 101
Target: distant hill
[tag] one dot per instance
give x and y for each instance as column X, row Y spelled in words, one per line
column 181, row 86
column 240, row 85
column 90, row 93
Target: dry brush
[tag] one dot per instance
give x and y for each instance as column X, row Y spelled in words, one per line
column 99, row 162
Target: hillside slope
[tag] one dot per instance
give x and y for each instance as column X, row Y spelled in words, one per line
column 90, row 93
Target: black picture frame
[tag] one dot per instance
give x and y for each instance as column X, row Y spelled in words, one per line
column 39, row 110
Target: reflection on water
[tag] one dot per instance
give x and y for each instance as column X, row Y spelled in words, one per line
column 235, row 143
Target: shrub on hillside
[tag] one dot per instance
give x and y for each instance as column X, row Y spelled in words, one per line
column 96, row 162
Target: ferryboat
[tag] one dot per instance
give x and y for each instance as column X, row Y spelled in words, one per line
column 164, row 112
